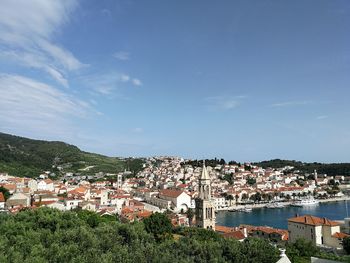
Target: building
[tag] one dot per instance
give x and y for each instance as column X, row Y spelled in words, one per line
column 179, row 199
column 205, row 210
column 2, row 201
column 320, row 231
column 18, row 199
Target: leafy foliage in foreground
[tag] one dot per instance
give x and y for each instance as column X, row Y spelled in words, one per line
column 302, row 250
column 26, row 157
column 47, row 235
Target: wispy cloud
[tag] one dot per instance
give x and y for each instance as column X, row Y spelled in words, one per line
column 137, row 130
column 291, row 103
column 223, row 103
column 27, row 31
column 109, row 83
column 321, row 117
column 31, row 105
column 122, row 55
column 136, row 82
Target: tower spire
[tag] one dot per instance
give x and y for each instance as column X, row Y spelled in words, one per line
column 205, row 210
column 205, row 175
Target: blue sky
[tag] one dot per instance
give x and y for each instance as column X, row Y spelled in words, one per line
column 241, row 80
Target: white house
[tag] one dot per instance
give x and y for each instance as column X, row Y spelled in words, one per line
column 320, row 231
column 46, row 185
column 179, row 199
column 33, row 185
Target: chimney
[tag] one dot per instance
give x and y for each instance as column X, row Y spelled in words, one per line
column 283, row 252
column 245, row 233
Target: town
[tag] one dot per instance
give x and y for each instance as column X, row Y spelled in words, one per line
column 190, row 193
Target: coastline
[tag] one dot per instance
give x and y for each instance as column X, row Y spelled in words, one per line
column 263, row 205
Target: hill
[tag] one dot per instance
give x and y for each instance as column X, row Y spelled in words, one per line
column 331, row 169
column 27, row 157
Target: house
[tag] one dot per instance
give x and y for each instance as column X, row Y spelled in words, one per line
column 46, row 185
column 18, row 199
column 179, row 199
column 2, row 201
column 269, row 233
column 33, row 185
column 320, row 231
column 232, row 232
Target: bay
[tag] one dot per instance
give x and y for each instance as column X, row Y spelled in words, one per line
column 278, row 218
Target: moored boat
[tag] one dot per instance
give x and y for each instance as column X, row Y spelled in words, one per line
column 305, row 202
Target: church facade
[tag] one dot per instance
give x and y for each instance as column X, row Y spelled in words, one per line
column 205, row 210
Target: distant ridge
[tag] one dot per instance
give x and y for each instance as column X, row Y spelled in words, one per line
column 21, row 156
column 331, row 169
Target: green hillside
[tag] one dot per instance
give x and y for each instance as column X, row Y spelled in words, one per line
column 26, row 157
column 322, row 168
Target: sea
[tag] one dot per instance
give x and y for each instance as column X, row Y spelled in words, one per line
column 278, row 217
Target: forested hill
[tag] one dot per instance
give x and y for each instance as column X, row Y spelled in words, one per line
column 26, row 157
column 322, row 168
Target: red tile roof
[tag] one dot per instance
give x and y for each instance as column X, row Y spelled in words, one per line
column 171, row 193
column 2, row 198
column 313, row 220
column 235, row 234
column 340, row 235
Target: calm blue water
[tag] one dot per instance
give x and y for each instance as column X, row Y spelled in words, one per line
column 278, row 217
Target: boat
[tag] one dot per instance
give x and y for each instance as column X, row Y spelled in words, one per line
column 271, row 205
column 232, row 210
column 279, row 205
column 305, row 202
column 247, row 210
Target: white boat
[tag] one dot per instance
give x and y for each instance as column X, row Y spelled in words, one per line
column 279, row 205
column 247, row 210
column 275, row 205
column 305, row 202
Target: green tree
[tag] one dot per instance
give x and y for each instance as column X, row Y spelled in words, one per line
column 251, row 181
column 158, row 224
column 5, row 192
column 190, row 215
column 346, row 245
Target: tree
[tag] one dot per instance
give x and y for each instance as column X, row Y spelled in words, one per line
column 5, row 192
column 301, row 248
column 346, row 245
column 190, row 215
column 244, row 196
column 158, row 224
column 251, row 181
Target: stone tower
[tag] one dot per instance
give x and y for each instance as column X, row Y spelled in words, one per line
column 205, row 211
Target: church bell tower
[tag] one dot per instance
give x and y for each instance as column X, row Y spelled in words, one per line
column 205, row 210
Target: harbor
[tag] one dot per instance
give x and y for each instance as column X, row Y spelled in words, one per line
column 260, row 215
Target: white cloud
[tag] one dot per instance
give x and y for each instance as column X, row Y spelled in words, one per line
column 222, row 103
column 27, row 31
column 136, row 82
column 122, row 55
column 322, row 117
column 109, row 83
column 291, row 103
column 27, row 104
column 124, row 78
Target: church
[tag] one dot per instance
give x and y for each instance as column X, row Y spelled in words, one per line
column 205, row 211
